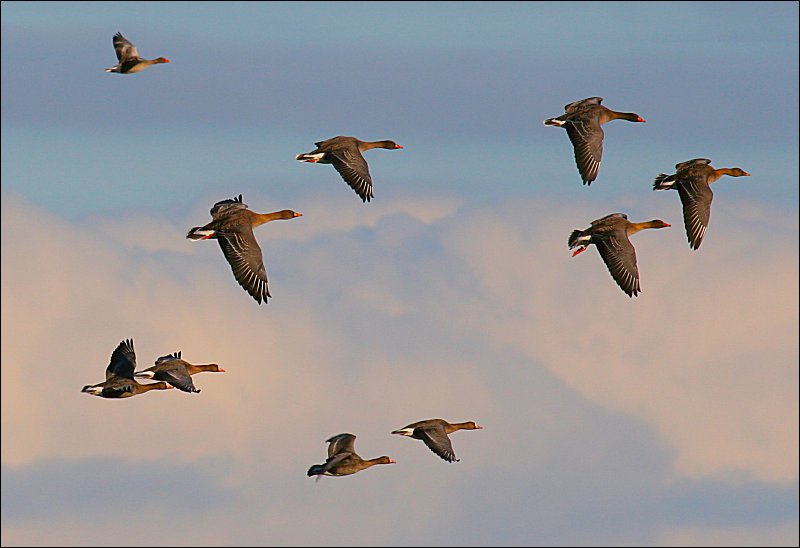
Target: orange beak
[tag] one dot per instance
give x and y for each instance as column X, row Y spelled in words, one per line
column 579, row 250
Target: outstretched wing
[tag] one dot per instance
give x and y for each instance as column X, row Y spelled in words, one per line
column 124, row 48
column 123, row 361
column 696, row 198
column 178, row 377
column 341, row 443
column 586, row 136
column 353, row 168
column 242, row 252
column 437, row 441
column 620, row 258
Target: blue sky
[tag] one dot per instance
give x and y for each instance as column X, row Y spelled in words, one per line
column 670, row 419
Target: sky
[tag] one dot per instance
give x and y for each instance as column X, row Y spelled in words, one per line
column 670, row 419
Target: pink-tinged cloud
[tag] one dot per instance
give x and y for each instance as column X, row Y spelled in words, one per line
column 707, row 353
column 446, row 311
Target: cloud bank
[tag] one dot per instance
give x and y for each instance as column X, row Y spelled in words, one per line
column 593, row 404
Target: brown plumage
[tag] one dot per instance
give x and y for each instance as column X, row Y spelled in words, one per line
column 692, row 179
column 610, row 235
column 119, row 381
column 128, row 57
column 177, row 372
column 583, row 121
column 343, row 460
column 434, row 433
column 232, row 226
column 345, row 155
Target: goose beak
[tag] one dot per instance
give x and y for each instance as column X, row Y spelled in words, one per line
column 579, row 250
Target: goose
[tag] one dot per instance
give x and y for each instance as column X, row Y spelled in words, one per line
column 345, row 153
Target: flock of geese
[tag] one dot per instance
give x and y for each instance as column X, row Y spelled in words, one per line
column 232, row 225
column 583, row 121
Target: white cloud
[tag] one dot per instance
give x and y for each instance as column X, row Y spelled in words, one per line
column 707, row 353
column 409, row 312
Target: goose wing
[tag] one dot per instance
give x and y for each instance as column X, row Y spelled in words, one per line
column 696, row 197
column 226, row 207
column 620, row 258
column 123, row 361
column 353, row 168
column 437, row 441
column 124, row 48
column 586, row 136
column 243, row 253
column 341, row 443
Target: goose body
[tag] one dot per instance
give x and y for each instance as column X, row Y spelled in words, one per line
column 343, row 460
column 177, row 372
column 119, row 381
column 583, row 121
column 128, row 56
column 610, row 235
column 692, row 179
column 232, row 226
column 345, row 154
column 434, row 433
